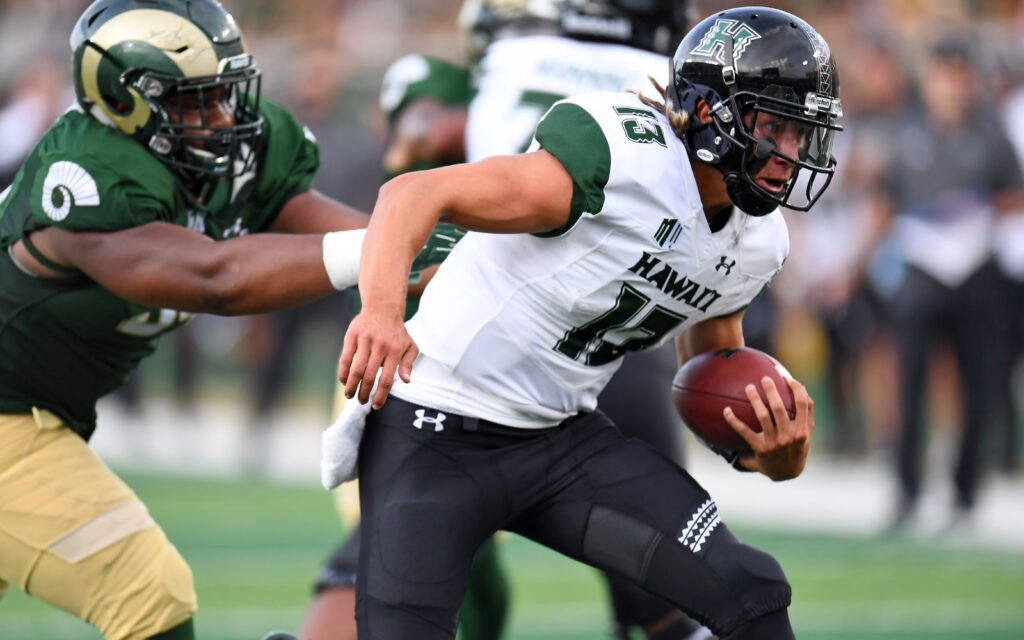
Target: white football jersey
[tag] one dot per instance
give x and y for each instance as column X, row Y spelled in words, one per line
column 526, row 330
column 520, row 78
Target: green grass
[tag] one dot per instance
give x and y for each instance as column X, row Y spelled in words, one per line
column 256, row 548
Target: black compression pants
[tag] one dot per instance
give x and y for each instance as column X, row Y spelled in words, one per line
column 638, row 399
column 434, row 487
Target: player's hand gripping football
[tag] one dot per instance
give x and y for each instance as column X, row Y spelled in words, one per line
column 375, row 341
column 780, row 450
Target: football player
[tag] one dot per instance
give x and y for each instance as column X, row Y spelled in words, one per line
column 542, row 51
column 425, row 101
column 631, row 221
column 170, row 188
column 531, row 55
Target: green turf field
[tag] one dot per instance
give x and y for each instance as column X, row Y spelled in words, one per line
column 255, row 549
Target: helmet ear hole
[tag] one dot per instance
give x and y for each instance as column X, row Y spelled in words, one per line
column 119, row 108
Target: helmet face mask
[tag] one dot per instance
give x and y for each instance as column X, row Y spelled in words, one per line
column 174, row 76
column 770, row 82
column 773, row 125
column 198, row 143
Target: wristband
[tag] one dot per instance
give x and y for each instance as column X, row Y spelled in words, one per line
column 342, row 251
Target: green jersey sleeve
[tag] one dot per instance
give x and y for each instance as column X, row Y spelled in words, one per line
column 570, row 133
column 84, row 176
column 290, row 162
column 416, row 76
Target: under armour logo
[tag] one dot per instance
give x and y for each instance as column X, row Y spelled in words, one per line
column 722, row 264
column 422, row 418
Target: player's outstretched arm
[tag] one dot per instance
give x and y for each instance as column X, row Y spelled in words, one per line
column 164, row 265
column 509, row 194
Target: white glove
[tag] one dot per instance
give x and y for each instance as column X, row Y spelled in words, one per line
column 339, row 446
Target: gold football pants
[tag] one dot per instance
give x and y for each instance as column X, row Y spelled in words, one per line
column 75, row 535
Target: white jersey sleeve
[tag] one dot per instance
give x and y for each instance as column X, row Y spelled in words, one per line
column 537, row 324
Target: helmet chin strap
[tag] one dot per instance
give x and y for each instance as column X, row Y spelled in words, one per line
column 744, row 197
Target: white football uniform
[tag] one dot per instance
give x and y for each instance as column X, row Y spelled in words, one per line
column 520, row 78
column 526, row 330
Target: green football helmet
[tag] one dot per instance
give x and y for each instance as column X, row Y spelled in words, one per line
column 137, row 64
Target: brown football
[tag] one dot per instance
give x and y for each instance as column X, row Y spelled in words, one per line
column 714, row 380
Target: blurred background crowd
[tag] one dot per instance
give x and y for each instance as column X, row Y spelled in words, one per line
column 901, row 302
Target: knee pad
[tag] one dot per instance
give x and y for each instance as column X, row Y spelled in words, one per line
column 754, row 573
column 146, row 589
column 721, row 583
column 741, row 583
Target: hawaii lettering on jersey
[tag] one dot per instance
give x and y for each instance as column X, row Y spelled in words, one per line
column 674, row 284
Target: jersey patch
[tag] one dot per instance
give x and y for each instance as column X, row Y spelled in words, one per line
column 66, row 184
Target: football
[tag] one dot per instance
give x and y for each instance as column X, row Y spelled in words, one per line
column 714, row 380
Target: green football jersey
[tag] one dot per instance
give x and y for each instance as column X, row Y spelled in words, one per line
column 66, row 343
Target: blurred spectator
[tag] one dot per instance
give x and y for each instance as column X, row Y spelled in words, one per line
column 950, row 168
column 1009, row 249
column 832, row 248
column 31, row 105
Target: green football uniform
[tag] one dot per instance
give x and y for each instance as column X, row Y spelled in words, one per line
column 65, row 343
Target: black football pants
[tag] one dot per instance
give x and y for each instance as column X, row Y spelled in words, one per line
column 434, row 487
column 924, row 313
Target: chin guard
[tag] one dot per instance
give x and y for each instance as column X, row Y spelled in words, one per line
column 746, row 198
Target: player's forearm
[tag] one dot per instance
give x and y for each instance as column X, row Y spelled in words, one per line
column 253, row 274
column 725, row 332
column 161, row 265
column 264, row 272
column 407, row 209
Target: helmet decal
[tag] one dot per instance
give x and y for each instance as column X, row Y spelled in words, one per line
column 714, row 42
column 826, row 65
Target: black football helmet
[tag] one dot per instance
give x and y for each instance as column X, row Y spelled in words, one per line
column 484, row 21
column 653, row 25
column 756, row 64
column 134, row 60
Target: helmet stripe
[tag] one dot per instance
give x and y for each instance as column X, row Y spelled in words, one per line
column 182, row 41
